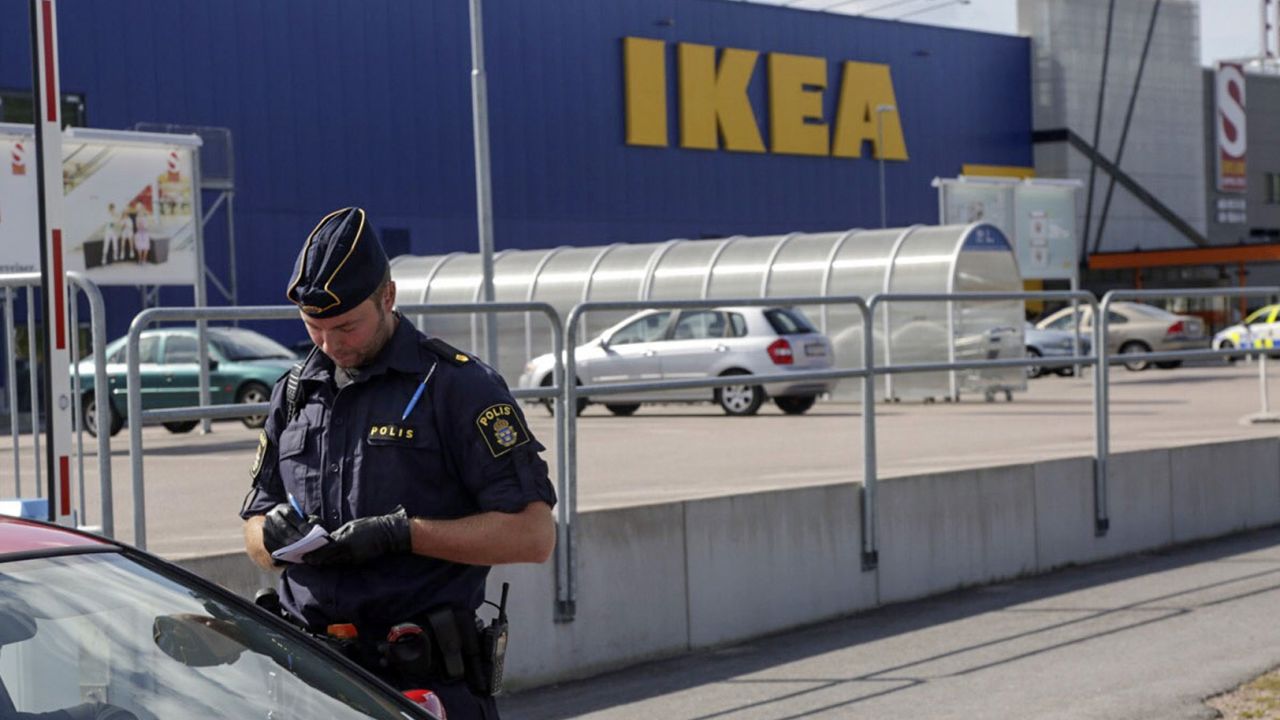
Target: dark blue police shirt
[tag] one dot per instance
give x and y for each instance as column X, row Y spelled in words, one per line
column 464, row 449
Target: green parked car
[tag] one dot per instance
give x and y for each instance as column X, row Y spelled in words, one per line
column 244, row 365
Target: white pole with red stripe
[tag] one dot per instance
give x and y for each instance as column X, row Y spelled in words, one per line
column 57, row 365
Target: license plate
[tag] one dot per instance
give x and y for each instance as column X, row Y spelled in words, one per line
column 815, row 350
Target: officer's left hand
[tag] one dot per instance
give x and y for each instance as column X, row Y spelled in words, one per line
column 360, row 541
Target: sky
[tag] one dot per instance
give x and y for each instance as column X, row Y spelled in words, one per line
column 1228, row 28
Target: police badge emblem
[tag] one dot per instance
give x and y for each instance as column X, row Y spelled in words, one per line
column 263, row 444
column 504, row 433
column 502, row 429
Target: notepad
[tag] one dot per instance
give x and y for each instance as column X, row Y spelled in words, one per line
column 293, row 552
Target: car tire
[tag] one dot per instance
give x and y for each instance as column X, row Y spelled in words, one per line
column 795, row 404
column 623, row 410
column 178, row 427
column 89, row 417
column 1169, row 364
column 739, row 400
column 253, row 393
column 1229, row 359
column 1134, row 347
column 550, row 404
column 1034, row 371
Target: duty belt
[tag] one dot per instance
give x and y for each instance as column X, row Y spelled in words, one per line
column 444, row 645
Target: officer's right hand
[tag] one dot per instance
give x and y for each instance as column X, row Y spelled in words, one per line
column 284, row 526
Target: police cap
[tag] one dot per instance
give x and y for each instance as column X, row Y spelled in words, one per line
column 340, row 265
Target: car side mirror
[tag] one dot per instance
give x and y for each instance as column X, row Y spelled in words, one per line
column 197, row 640
column 17, row 621
column 213, row 364
column 604, row 343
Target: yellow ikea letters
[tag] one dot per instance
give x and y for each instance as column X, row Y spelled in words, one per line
column 715, row 111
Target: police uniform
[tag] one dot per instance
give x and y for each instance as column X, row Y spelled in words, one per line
column 423, row 426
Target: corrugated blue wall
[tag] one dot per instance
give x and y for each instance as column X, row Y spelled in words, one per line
column 335, row 102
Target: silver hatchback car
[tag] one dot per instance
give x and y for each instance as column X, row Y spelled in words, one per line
column 668, row 345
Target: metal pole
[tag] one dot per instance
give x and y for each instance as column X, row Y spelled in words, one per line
column 566, row 410
column 1075, row 314
column 1101, row 412
column 77, row 424
column 134, row 386
column 1262, row 384
column 870, row 551
column 201, row 292
column 11, row 344
column 880, row 110
column 33, row 370
column 484, row 190
column 101, row 396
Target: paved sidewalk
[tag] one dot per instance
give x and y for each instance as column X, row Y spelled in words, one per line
column 1144, row 637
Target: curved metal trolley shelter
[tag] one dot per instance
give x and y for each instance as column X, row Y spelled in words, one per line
column 917, row 259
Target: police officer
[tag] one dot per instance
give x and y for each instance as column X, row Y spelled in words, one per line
column 410, row 454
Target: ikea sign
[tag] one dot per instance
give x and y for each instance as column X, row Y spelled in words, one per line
column 715, row 111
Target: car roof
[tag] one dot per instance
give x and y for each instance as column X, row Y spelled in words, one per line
column 25, row 536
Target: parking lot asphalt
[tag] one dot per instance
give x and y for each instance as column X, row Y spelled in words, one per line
column 195, row 483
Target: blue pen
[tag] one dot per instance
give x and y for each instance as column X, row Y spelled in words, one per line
column 417, row 394
column 296, row 507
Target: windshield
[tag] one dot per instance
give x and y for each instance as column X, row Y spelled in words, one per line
column 102, row 628
column 1260, row 316
column 248, row 345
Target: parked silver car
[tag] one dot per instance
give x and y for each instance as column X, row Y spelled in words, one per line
column 1053, row 344
column 1138, row 328
column 666, row 344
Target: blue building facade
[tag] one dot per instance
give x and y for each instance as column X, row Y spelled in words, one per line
column 341, row 102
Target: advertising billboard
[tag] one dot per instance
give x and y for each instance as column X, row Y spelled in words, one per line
column 129, row 201
column 1232, row 135
column 1039, row 216
column 1045, row 229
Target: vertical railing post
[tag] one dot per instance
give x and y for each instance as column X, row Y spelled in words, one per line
column 134, row 386
column 11, row 368
column 101, row 396
column 566, row 406
column 33, row 369
column 1102, row 417
column 870, row 547
column 77, row 422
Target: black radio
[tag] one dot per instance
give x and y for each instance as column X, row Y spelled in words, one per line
column 493, row 647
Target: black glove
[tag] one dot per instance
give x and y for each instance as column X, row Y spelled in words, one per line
column 284, row 526
column 360, row 541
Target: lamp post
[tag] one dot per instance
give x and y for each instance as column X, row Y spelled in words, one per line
column 880, row 111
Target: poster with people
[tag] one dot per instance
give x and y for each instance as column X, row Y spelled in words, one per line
column 129, row 206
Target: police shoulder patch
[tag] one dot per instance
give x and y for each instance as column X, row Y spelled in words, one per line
column 263, row 444
column 449, row 353
column 502, row 429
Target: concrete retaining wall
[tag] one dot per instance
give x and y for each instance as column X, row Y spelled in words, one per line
column 660, row 580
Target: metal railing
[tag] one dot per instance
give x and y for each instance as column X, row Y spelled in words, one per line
column 11, row 283
column 242, row 410
column 566, row 586
column 1099, row 395
column 97, row 322
column 101, row 397
column 1105, row 361
column 565, row 393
